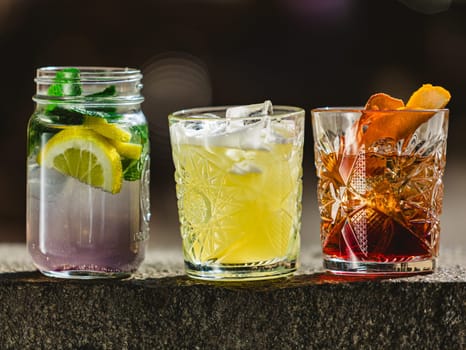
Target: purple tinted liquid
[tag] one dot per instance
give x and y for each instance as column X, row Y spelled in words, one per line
column 75, row 228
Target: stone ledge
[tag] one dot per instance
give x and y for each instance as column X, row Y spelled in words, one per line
column 161, row 308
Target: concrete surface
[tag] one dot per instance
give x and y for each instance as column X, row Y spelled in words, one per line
column 160, row 308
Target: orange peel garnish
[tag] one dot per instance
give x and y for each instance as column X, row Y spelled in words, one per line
column 429, row 97
column 381, row 102
column 387, row 117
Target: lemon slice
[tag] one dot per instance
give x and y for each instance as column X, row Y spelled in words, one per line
column 86, row 156
column 104, row 128
column 127, row 150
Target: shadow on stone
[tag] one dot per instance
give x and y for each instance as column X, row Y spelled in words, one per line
column 23, row 276
column 319, row 278
column 185, row 281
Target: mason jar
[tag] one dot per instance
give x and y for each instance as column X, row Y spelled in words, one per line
column 87, row 173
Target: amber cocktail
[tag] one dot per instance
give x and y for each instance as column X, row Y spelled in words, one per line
column 380, row 189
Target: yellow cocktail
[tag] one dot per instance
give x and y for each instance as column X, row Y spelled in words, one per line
column 239, row 195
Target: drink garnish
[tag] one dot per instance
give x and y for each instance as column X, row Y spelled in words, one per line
column 429, row 97
column 66, row 83
column 382, row 101
column 106, row 129
column 387, row 118
column 127, row 149
column 109, row 91
column 128, row 145
column 85, row 155
column 381, row 119
column 133, row 168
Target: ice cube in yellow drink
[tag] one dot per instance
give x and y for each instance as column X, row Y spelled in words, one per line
column 238, row 206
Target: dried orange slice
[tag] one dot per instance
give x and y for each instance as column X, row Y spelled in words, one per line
column 381, row 102
column 381, row 118
column 374, row 124
column 429, row 97
column 387, row 117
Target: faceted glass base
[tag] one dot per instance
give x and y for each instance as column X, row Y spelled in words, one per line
column 338, row 266
column 86, row 275
column 244, row 272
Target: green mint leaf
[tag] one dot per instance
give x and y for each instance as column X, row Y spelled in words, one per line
column 133, row 168
column 35, row 131
column 141, row 132
column 55, row 90
column 75, row 114
column 94, row 113
column 62, row 115
column 60, row 89
column 66, row 83
column 110, row 111
column 107, row 92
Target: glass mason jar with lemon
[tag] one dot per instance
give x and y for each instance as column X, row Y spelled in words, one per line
column 88, row 173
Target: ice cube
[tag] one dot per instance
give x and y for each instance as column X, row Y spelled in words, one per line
column 202, row 129
column 282, row 131
column 259, row 109
column 245, row 167
column 248, row 133
column 196, row 132
column 385, row 146
column 243, row 161
column 231, row 131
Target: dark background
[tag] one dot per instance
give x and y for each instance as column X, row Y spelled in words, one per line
column 307, row 53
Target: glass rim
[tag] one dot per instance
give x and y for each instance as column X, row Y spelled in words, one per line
column 89, row 77
column 90, row 74
column 359, row 109
column 202, row 113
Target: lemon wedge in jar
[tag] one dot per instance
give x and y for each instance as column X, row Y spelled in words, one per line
column 85, row 155
column 104, row 128
column 127, row 150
